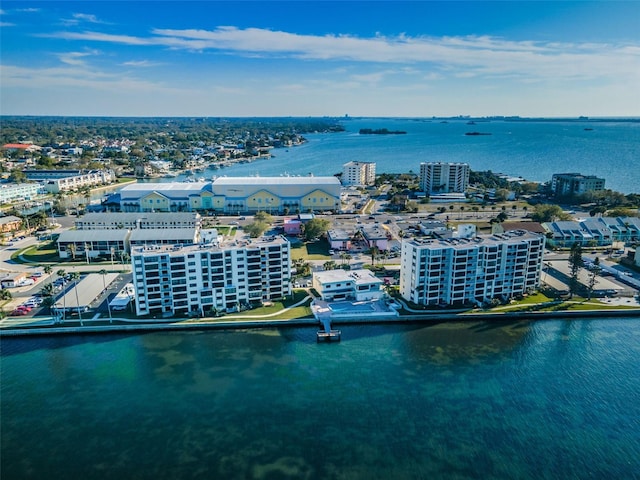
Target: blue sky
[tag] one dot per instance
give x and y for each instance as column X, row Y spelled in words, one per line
column 317, row 58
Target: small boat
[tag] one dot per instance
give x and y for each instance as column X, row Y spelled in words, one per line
column 477, row 133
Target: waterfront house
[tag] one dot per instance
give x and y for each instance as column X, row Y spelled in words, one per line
column 339, row 284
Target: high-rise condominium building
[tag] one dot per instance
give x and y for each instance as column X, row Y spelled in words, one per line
column 467, row 271
column 440, row 177
column 359, row 173
column 205, row 278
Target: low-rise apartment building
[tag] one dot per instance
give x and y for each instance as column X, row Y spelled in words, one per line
column 591, row 232
column 138, row 220
column 12, row 192
column 204, row 279
column 460, row 271
column 56, row 181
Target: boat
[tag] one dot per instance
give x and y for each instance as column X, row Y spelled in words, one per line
column 477, row 133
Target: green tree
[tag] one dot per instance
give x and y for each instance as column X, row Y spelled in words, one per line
column 47, row 290
column 62, row 274
column 548, row 213
column 17, row 176
column 263, row 217
column 594, row 271
column 329, row 265
column 575, row 264
column 75, row 276
column 103, row 272
column 303, row 269
column 256, row 229
column 373, row 251
column 5, row 294
column 315, row 228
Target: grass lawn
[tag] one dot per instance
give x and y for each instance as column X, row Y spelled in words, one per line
column 44, row 253
column 539, row 302
column 276, row 306
column 311, row 251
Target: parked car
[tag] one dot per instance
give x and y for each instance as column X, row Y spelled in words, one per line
column 18, row 312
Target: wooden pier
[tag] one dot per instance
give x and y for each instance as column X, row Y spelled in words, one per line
column 327, row 334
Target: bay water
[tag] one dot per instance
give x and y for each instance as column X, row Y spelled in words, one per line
column 533, row 150
column 511, row 400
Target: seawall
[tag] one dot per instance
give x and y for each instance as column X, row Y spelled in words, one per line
column 311, row 322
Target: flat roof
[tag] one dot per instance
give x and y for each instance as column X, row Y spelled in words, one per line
column 129, row 217
column 359, row 277
column 150, row 234
column 88, row 289
column 114, row 235
column 276, row 181
column 163, row 186
column 226, row 245
column 513, row 236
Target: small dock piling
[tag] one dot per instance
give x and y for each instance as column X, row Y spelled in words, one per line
column 327, row 334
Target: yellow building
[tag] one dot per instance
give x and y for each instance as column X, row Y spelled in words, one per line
column 235, row 195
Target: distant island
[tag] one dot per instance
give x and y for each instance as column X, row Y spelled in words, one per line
column 380, row 131
column 477, row 133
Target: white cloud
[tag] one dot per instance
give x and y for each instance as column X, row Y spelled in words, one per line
column 480, row 54
column 141, row 63
column 78, row 18
column 77, row 76
column 7, row 24
column 76, row 58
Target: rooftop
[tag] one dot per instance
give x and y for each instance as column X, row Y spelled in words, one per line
column 226, row 245
column 276, row 181
column 162, row 234
column 513, row 236
column 359, row 277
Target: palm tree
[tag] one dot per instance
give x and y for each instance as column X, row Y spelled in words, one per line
column 48, row 269
column 74, row 277
column 47, row 290
column 48, row 302
column 61, row 273
column 103, row 272
column 374, row 252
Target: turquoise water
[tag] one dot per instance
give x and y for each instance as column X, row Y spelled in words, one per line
column 351, row 307
column 546, row 400
column 532, row 150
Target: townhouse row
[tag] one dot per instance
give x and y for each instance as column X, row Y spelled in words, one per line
column 592, row 232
